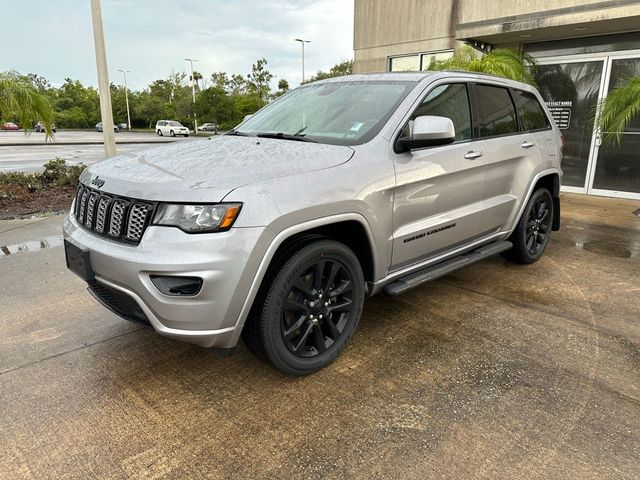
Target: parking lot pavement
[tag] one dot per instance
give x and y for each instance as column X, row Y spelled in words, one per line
column 29, row 153
column 80, row 137
column 496, row 371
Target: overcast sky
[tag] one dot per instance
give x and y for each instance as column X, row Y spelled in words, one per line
column 151, row 38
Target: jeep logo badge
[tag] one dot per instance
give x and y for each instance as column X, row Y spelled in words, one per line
column 98, row 182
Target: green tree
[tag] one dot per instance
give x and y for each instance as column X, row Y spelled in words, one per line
column 237, row 84
column 501, row 62
column 215, row 105
column 621, row 106
column 283, row 87
column 343, row 68
column 21, row 101
column 196, row 78
column 221, row 80
column 259, row 79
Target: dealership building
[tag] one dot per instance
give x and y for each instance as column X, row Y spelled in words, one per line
column 583, row 50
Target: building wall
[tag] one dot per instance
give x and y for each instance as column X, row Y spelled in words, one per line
column 385, row 28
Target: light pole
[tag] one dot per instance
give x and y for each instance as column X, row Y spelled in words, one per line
column 193, row 94
column 126, row 97
column 302, row 42
column 103, row 80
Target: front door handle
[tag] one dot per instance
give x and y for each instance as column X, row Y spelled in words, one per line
column 472, row 155
column 527, row 144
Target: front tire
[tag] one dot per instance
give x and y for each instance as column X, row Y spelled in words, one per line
column 159, row 132
column 172, row 133
column 531, row 235
column 310, row 310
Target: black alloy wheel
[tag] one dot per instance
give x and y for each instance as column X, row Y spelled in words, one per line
column 532, row 233
column 318, row 307
column 309, row 307
column 538, row 227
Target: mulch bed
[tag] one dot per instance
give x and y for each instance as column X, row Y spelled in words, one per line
column 17, row 201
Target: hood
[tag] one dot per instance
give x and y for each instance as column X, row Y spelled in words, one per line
column 207, row 170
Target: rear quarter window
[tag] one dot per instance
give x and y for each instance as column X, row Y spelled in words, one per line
column 530, row 112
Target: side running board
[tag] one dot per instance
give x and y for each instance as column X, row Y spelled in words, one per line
column 444, row 268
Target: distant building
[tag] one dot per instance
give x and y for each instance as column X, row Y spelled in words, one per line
column 584, row 49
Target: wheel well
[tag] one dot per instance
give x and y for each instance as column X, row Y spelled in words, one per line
column 350, row 232
column 552, row 183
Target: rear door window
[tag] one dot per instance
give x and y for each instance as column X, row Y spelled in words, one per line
column 496, row 114
column 530, row 112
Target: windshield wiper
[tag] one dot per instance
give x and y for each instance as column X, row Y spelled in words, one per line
column 237, row 133
column 286, row 136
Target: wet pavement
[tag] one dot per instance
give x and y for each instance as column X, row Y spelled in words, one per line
column 496, row 371
column 28, row 153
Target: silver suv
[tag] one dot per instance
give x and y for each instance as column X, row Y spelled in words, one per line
column 338, row 190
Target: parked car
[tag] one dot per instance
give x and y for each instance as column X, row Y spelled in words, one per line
column 337, row 191
column 39, row 128
column 99, row 127
column 171, row 127
column 208, row 127
column 9, row 126
column 122, row 126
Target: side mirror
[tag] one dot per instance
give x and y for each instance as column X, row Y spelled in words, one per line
column 428, row 131
column 246, row 117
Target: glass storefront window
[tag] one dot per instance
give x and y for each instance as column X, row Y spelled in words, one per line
column 572, row 89
column 618, row 166
column 429, row 58
column 415, row 63
column 409, row 63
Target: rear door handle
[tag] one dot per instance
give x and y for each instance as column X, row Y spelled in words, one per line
column 527, row 144
column 472, row 155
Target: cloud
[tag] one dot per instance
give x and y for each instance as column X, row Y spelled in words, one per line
column 152, row 38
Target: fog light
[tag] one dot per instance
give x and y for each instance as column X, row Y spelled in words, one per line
column 177, row 286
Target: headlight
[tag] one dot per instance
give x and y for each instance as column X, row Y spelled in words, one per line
column 197, row 218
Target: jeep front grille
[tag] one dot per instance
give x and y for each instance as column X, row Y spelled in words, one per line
column 119, row 218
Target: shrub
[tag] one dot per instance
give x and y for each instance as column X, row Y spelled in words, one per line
column 57, row 173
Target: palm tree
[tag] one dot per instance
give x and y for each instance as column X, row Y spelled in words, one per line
column 619, row 109
column 501, row 62
column 20, row 99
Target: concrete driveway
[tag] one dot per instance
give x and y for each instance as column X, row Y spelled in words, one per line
column 497, row 371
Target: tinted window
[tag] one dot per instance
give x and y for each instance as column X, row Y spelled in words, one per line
column 530, row 111
column 451, row 101
column 496, row 114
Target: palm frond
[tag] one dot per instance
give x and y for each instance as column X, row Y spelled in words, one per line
column 19, row 98
column 620, row 107
column 502, row 62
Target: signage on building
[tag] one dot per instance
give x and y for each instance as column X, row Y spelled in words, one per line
column 561, row 112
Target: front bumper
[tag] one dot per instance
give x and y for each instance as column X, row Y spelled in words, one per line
column 227, row 262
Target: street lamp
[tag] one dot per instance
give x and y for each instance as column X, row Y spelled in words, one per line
column 302, row 42
column 193, row 94
column 126, row 97
column 103, row 80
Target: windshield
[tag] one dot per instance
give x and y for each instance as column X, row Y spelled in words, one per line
column 339, row 113
column 175, row 124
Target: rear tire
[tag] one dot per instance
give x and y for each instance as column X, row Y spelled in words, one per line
column 311, row 309
column 159, row 132
column 531, row 235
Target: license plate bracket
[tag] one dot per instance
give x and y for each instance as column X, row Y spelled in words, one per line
column 78, row 261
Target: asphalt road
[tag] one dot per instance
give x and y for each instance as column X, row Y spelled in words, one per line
column 496, row 371
column 74, row 146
